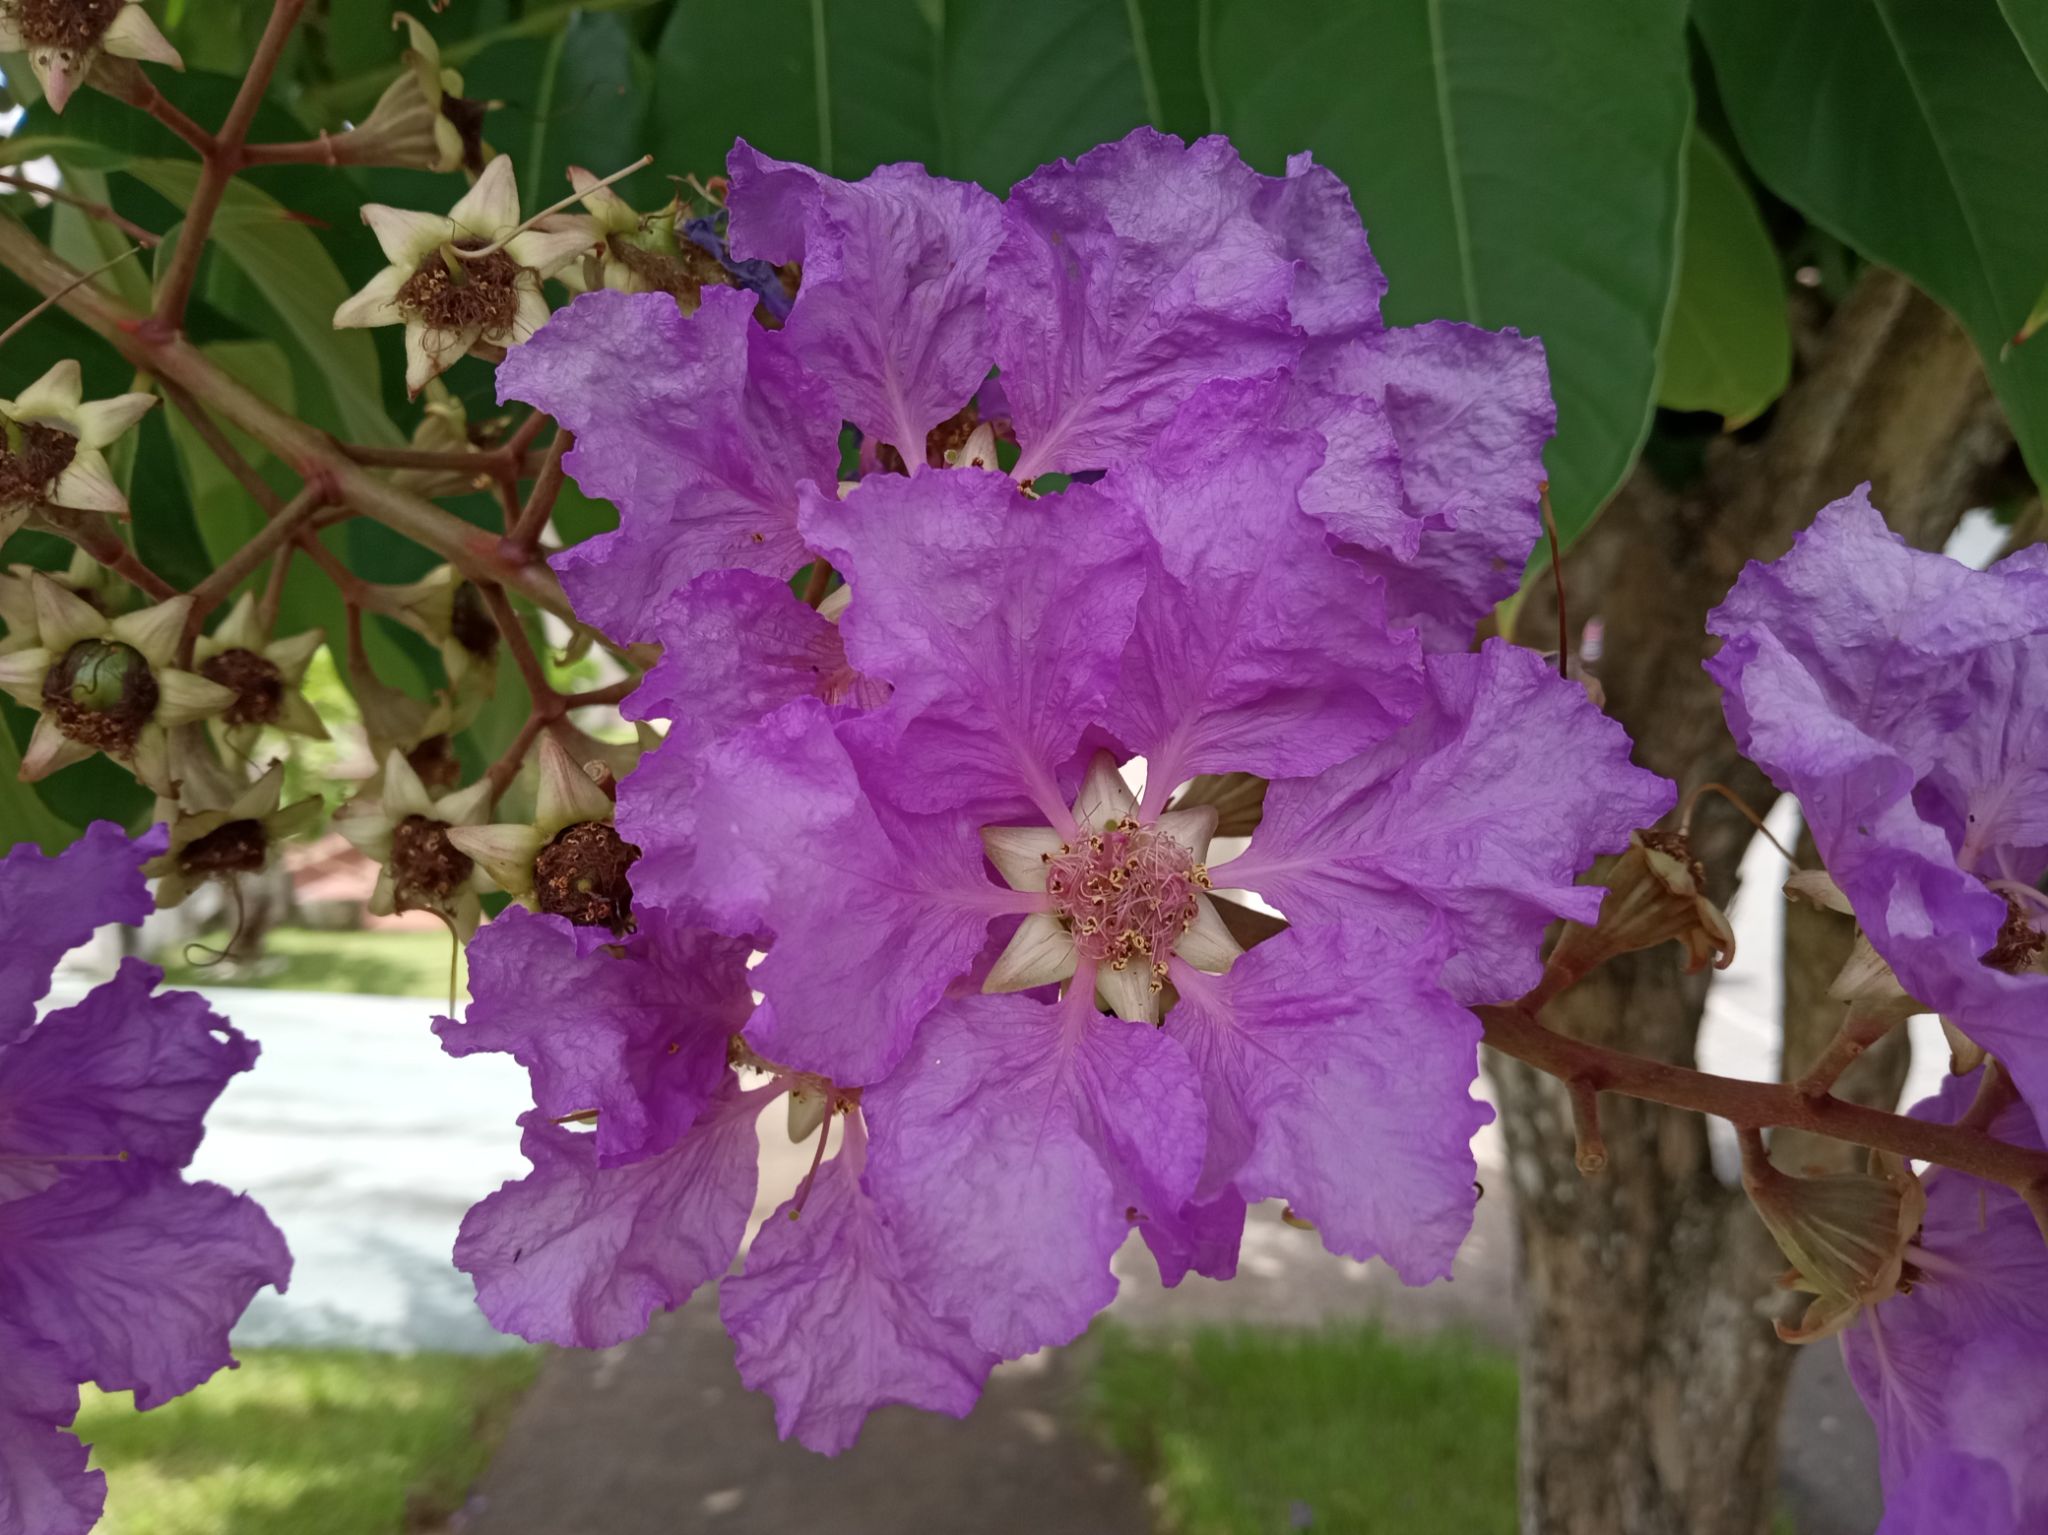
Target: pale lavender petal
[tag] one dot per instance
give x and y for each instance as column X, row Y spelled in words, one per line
column 890, row 314
column 1471, row 411
column 1344, row 1077
column 870, row 912
column 49, row 905
column 825, row 1323
column 135, row 1276
column 1003, row 1212
column 1126, row 280
column 123, row 1072
column 1256, row 648
column 45, row 1488
column 584, row 1256
column 738, row 645
column 636, row 1029
column 998, row 621
column 1475, row 820
column 700, row 428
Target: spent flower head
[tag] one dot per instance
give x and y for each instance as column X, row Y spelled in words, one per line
column 264, row 675
column 65, row 40
column 569, row 860
column 103, row 684
column 405, row 829
column 469, row 276
column 228, row 842
column 51, row 442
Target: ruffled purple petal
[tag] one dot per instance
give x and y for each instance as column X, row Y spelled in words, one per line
column 581, row 1255
column 1899, row 696
column 1203, row 1238
column 1342, row 1082
column 871, row 912
column 988, row 1161
column 825, row 1323
column 890, row 315
column 637, row 1030
column 699, row 427
column 50, row 905
column 1126, row 280
column 123, row 1072
column 998, row 621
column 45, row 1488
column 1337, row 283
column 1470, row 411
column 738, row 645
column 1256, row 648
column 1475, row 819
column 135, row 1276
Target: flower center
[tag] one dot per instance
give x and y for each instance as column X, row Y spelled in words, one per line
column 32, row 456
column 239, row 847
column 65, row 23
column 426, row 868
column 257, row 684
column 581, row 875
column 1127, row 893
column 101, row 694
column 450, row 294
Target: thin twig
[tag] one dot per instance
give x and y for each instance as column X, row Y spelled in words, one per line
column 610, row 693
column 530, row 671
column 1513, row 1030
column 215, row 439
column 221, row 162
column 273, row 587
column 525, row 530
column 89, row 208
column 279, row 531
column 501, row 773
column 1856, row 1034
column 59, row 296
column 92, row 532
column 1692, row 802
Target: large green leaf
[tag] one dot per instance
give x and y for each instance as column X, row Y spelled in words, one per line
column 285, row 262
column 1518, row 164
column 592, row 108
column 1729, row 349
column 1916, row 131
column 975, row 89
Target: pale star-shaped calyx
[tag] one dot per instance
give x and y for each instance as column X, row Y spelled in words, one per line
column 1125, row 894
column 264, row 675
column 469, row 276
column 405, row 829
column 65, row 39
column 106, row 684
column 568, row 860
column 236, row 839
column 51, row 442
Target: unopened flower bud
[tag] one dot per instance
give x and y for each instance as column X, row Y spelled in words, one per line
column 1655, row 891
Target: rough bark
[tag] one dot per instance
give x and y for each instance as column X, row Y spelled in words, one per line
column 1651, row 1381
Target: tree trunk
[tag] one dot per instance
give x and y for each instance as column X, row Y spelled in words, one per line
column 1651, row 1380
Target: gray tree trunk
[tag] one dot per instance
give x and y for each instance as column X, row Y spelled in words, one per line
column 1651, row 1380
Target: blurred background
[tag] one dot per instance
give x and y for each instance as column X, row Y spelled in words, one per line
column 1771, row 246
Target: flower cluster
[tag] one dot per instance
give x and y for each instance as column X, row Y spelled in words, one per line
column 113, row 1268
column 1896, row 694
column 1248, row 529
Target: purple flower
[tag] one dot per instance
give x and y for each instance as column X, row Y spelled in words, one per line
column 1107, row 291
column 1954, row 1368
column 1188, row 610
column 113, row 1269
column 1000, row 965
column 1896, row 693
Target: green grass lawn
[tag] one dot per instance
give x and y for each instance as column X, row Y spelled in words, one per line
column 1248, row 1433
column 306, row 1442
column 387, row 963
